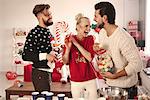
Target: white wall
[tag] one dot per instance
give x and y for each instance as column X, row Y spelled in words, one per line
column 1, row 35
column 18, row 13
column 0, row 20
column 147, row 33
column 0, row 12
column 131, row 11
column 142, row 13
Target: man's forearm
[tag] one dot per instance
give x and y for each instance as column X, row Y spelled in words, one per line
column 120, row 74
column 30, row 56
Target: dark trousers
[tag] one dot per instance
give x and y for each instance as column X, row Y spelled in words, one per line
column 41, row 80
column 132, row 92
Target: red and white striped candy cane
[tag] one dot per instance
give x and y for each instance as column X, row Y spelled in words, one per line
column 61, row 29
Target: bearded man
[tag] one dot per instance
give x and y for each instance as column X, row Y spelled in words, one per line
column 38, row 49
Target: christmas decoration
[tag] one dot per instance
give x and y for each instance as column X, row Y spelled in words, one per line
column 97, row 29
column 61, row 29
column 11, row 75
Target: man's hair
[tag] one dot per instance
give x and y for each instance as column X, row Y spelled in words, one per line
column 106, row 8
column 39, row 8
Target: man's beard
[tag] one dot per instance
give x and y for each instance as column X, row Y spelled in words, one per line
column 101, row 25
column 47, row 23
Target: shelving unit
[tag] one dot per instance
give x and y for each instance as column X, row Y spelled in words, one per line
column 19, row 37
column 133, row 29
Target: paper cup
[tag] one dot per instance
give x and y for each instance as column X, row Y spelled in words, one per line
column 49, row 96
column 61, row 96
column 35, row 95
column 40, row 98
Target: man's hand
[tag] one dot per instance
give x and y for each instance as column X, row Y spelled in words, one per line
column 115, row 75
column 108, row 75
column 51, row 57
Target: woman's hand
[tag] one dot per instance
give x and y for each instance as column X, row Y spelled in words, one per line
column 96, row 47
column 68, row 42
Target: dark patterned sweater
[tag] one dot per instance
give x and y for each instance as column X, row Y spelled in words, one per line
column 37, row 41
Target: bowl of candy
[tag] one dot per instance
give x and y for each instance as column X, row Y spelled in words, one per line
column 113, row 93
column 116, row 93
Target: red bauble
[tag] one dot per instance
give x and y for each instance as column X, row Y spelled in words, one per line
column 11, row 75
column 8, row 75
column 97, row 29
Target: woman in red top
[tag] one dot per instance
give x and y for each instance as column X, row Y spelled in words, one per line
column 79, row 54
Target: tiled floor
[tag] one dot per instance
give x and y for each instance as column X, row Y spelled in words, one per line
column 5, row 83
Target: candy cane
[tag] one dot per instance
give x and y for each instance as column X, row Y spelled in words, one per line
column 61, row 29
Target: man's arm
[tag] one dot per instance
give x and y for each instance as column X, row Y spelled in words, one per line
column 131, row 54
column 115, row 75
column 30, row 52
